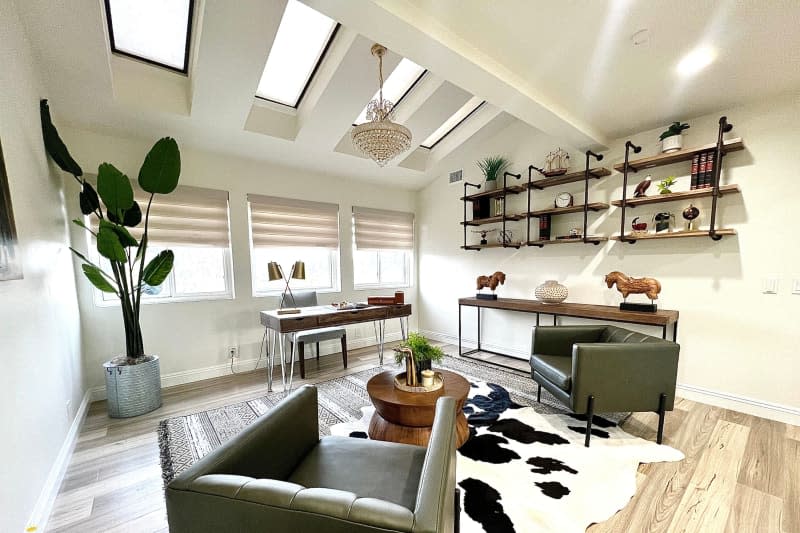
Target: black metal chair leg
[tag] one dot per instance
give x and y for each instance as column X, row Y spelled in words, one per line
column 539, row 393
column 457, row 517
column 661, row 414
column 589, row 416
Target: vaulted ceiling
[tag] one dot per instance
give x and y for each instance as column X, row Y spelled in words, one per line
column 571, row 69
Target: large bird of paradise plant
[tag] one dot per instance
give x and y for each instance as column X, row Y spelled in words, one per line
column 113, row 204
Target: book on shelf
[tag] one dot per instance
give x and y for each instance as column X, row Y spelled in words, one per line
column 701, row 170
column 544, row 227
column 695, row 165
column 708, row 176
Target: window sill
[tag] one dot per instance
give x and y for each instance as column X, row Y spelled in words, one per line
column 373, row 287
column 171, row 300
column 277, row 294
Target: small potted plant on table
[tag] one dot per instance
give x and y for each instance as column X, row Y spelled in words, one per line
column 424, row 353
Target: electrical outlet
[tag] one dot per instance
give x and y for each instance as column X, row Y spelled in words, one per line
column 233, row 352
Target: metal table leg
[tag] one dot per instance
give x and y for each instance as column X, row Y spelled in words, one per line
column 292, row 357
column 459, row 329
column 382, row 332
column 270, row 356
column 282, row 341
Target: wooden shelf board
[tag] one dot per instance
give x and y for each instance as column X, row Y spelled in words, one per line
column 493, row 245
column 673, row 235
column 594, row 173
column 513, row 189
column 731, row 145
column 595, row 206
column 593, row 239
column 683, row 195
column 490, row 220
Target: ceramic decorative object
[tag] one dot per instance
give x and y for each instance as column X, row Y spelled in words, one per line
column 672, row 143
column 551, row 292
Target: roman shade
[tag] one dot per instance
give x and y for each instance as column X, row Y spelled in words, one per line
column 379, row 229
column 282, row 222
column 188, row 216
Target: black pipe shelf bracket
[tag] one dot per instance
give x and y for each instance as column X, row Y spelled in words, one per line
column 598, row 157
column 724, row 127
column 626, row 168
column 503, row 238
column 477, row 186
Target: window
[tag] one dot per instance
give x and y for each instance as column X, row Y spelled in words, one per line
column 453, row 122
column 397, row 85
column 302, row 39
column 383, row 244
column 154, row 31
column 286, row 230
column 193, row 223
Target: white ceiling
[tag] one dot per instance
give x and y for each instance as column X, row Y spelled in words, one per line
column 567, row 68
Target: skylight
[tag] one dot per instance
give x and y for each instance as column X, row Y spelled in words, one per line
column 453, row 122
column 302, row 38
column 397, row 85
column 155, row 31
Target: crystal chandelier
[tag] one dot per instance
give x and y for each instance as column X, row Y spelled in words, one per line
column 379, row 137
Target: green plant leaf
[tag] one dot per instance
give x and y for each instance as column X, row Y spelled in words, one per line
column 81, row 223
column 125, row 238
column 88, row 199
column 142, row 249
column 98, row 278
column 161, row 168
column 108, row 243
column 158, row 268
column 53, row 144
column 115, row 189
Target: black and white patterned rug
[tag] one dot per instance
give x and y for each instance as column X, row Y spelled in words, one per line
column 523, row 469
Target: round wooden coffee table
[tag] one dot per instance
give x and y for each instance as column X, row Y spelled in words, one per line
column 407, row 417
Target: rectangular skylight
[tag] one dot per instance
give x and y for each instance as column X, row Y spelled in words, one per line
column 299, row 45
column 397, row 85
column 155, row 31
column 453, row 122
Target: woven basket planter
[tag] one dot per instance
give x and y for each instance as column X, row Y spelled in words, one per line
column 133, row 390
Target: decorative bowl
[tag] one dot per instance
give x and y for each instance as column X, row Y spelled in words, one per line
column 551, row 292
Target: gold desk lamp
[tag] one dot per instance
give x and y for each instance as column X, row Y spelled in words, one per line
column 276, row 273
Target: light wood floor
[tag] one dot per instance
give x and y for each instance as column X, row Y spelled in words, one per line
column 741, row 473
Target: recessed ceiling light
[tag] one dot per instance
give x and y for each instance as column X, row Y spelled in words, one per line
column 696, row 60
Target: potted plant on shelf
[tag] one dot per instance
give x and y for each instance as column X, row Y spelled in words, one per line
column 672, row 138
column 424, row 353
column 492, row 167
column 665, row 184
column 133, row 380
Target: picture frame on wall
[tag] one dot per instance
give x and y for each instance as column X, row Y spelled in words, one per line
column 10, row 266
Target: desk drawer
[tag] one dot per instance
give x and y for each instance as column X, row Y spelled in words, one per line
column 396, row 311
column 298, row 323
column 352, row 317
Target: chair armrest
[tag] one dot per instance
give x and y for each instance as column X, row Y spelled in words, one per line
column 271, row 447
column 558, row 340
column 624, row 376
column 435, row 496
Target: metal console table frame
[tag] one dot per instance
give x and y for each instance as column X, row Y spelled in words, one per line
column 661, row 318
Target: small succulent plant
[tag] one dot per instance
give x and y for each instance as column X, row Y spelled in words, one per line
column 675, row 129
column 665, row 184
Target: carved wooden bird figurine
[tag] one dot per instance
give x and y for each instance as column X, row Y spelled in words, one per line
column 642, row 187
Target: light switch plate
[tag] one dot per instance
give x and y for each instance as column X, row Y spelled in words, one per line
column 769, row 286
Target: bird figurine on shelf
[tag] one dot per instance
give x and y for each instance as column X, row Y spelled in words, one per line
column 640, row 190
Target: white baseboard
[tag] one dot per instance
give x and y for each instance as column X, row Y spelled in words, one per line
column 750, row 406
column 241, row 365
column 47, row 497
column 743, row 404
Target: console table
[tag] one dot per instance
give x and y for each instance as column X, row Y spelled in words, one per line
column 662, row 318
column 283, row 327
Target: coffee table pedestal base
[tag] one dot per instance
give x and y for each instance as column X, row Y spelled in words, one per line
column 382, row 429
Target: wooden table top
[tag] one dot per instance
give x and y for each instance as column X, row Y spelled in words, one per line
column 661, row 317
column 381, row 387
column 323, row 316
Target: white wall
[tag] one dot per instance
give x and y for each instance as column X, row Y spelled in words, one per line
column 739, row 347
column 192, row 337
column 41, row 383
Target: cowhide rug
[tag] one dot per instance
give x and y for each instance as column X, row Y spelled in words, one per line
column 522, row 471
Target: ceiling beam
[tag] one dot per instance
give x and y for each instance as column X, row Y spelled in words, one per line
column 410, row 31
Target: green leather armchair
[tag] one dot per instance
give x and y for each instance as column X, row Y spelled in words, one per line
column 602, row 369
column 278, row 476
